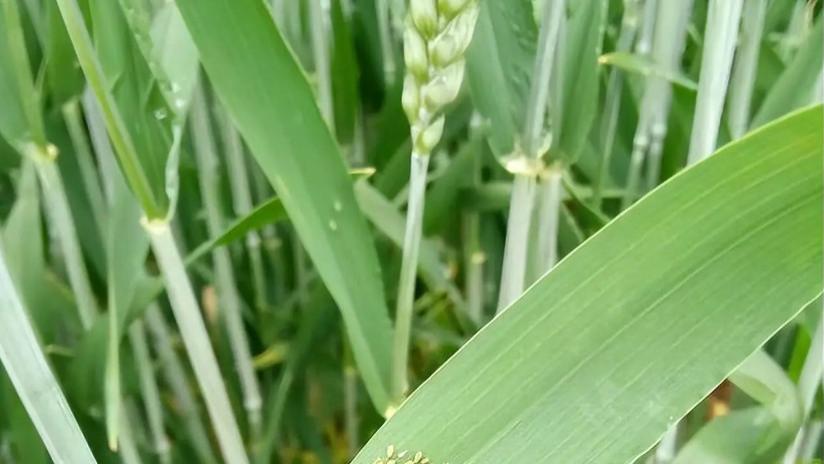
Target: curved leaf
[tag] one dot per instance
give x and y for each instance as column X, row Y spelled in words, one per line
column 579, row 52
column 268, row 212
column 598, row 358
column 499, row 66
column 272, row 105
column 752, row 435
column 646, row 67
column 138, row 99
column 731, row 439
column 794, row 87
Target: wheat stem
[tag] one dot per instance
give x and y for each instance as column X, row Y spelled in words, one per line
column 719, row 44
column 409, row 267
column 320, row 51
column 242, row 201
column 385, row 34
column 525, row 164
column 173, row 372
column 513, row 271
column 149, row 390
column 61, row 218
column 350, row 401
column 85, row 159
column 797, row 28
column 228, row 296
column 474, row 256
column 612, row 105
column 812, row 441
column 549, row 203
column 196, row 339
column 533, row 130
column 745, row 67
column 668, row 28
column 127, row 448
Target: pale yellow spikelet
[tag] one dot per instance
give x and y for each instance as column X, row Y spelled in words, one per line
column 436, row 36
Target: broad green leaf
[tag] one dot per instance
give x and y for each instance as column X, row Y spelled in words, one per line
column 165, row 44
column 174, row 57
column 20, row 120
column 299, row 157
column 499, row 68
column 138, row 99
column 599, row 357
column 794, row 88
column 579, row 52
column 645, row 67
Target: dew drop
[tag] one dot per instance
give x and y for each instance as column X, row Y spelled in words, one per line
column 160, row 113
column 333, row 225
column 337, row 205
